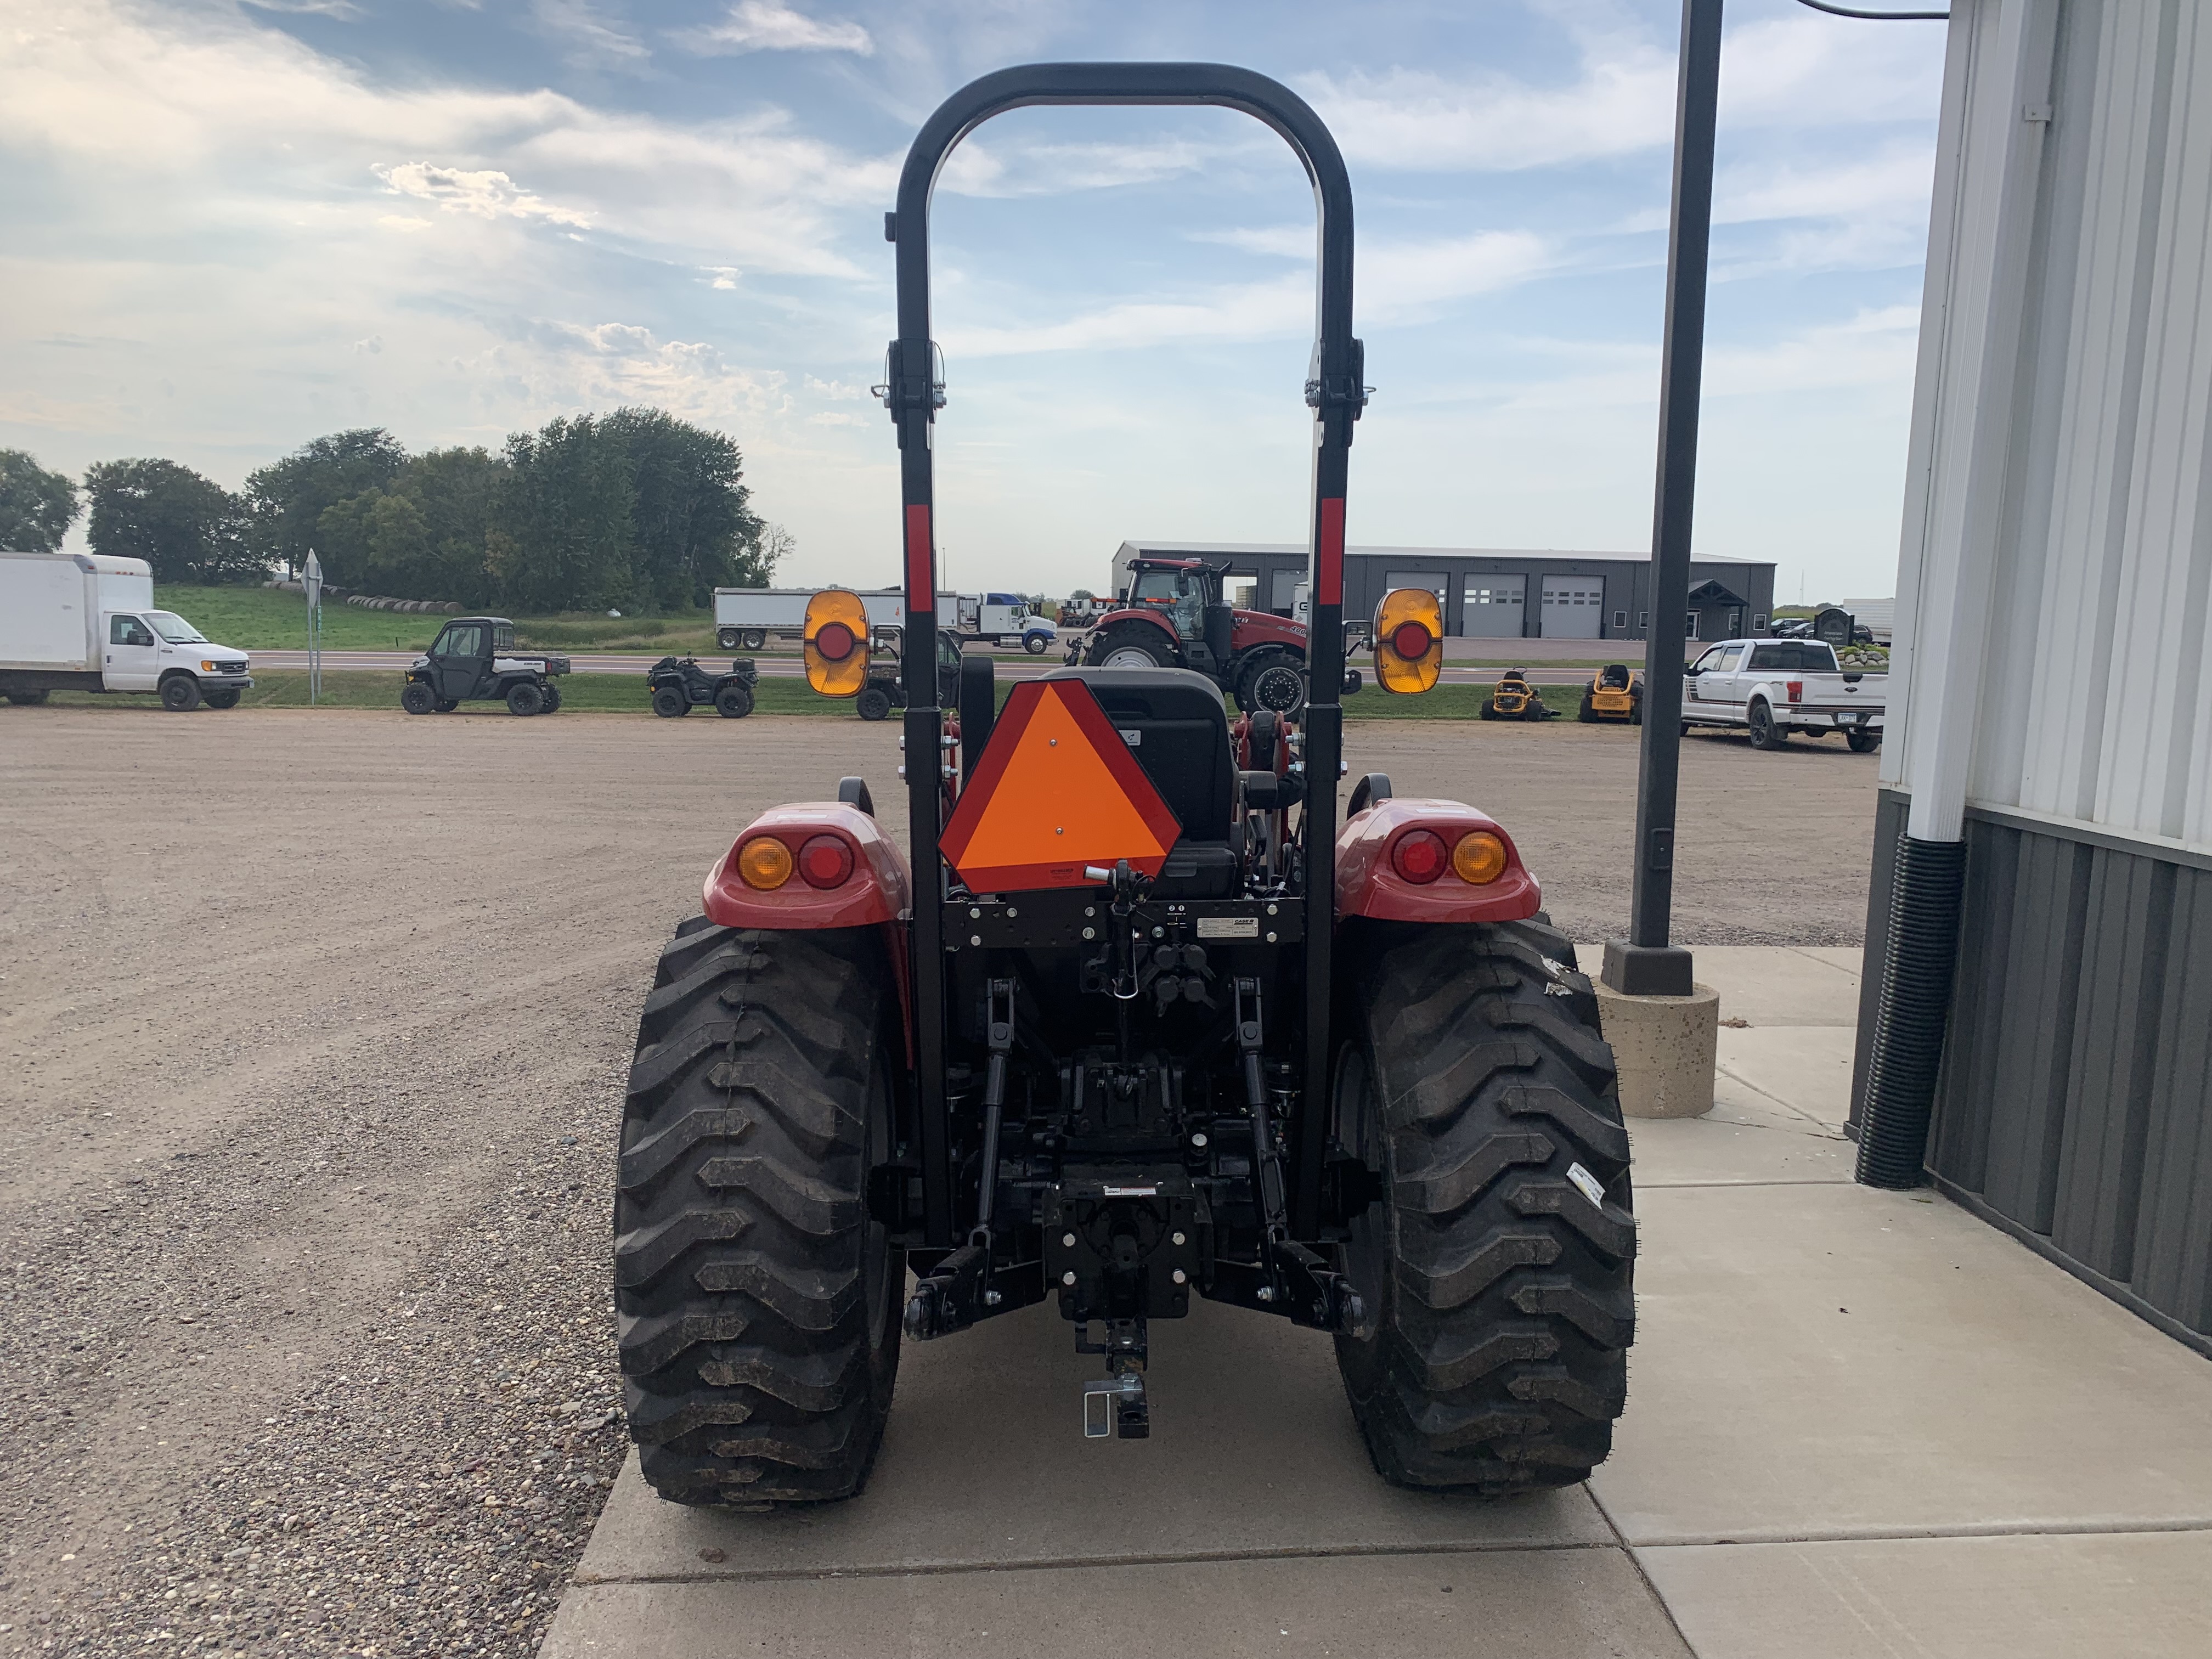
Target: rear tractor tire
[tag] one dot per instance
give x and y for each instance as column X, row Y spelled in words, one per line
column 417, row 698
column 1496, row 1269
column 1131, row 648
column 756, row 1303
column 1275, row 682
column 1588, row 713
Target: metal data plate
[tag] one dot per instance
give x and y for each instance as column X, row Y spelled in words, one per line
column 1045, row 920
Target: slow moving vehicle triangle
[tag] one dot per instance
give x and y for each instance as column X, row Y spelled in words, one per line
column 1056, row 789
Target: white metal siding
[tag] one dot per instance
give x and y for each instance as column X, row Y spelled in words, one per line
column 2060, row 490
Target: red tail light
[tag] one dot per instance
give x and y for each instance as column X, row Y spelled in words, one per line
column 1420, row 856
column 825, row 860
column 835, row 641
column 1411, row 640
column 1797, row 689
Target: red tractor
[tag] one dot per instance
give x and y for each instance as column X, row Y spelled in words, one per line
column 1172, row 615
column 1136, row 1018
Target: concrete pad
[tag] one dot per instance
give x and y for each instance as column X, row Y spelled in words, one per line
column 1780, row 984
column 2143, row 1595
column 1710, row 1151
column 1804, row 1068
column 1827, row 1361
column 984, row 1465
column 1534, row 1604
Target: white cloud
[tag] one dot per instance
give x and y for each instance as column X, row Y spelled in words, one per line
column 485, row 193
column 595, row 42
column 1785, row 72
column 344, row 10
column 1030, row 168
column 765, row 25
column 406, row 222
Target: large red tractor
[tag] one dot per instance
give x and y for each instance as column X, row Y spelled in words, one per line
column 1136, row 1019
column 1172, row 616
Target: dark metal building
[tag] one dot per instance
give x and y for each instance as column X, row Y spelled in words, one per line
column 1492, row 593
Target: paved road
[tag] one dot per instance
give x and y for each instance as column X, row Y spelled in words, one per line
column 1012, row 663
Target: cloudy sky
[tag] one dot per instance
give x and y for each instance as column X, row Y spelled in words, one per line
column 234, row 226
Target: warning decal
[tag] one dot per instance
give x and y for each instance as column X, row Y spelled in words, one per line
column 1056, row 789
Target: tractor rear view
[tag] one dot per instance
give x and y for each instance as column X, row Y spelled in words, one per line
column 1137, row 1020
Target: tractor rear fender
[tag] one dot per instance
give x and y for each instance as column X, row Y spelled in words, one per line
column 1368, row 883
column 1132, row 614
column 878, row 887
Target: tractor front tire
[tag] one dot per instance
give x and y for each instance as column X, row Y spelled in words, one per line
column 417, row 698
column 1496, row 1268
column 525, row 697
column 669, row 703
column 1130, row 648
column 733, row 702
column 1276, row 681
column 756, row 1302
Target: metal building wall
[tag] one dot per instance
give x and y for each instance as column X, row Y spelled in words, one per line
column 2050, row 702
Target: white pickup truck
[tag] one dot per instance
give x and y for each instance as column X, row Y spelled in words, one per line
column 1774, row 688
column 74, row 622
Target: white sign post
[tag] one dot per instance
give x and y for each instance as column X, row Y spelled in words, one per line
column 312, row 580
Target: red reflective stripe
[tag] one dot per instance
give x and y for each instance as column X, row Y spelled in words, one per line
column 1328, row 579
column 921, row 567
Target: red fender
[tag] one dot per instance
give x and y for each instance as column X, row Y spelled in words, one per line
column 880, row 890
column 1368, row 886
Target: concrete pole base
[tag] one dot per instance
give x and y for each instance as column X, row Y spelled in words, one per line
column 1665, row 1047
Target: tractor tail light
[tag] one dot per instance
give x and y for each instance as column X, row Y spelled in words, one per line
column 764, row 864
column 1418, row 856
column 825, row 860
column 1478, row 857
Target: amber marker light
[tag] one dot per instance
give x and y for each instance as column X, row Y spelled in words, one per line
column 836, row 643
column 764, row 864
column 1478, row 857
column 1409, row 640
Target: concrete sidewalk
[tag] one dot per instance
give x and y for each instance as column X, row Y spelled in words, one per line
column 1859, row 1424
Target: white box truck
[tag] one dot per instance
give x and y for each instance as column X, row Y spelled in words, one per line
column 69, row 622
column 745, row 617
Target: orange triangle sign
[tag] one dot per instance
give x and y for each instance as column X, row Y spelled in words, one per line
column 1056, row 789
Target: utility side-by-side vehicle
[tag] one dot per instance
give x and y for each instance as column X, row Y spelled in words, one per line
column 475, row 658
column 1138, row 1019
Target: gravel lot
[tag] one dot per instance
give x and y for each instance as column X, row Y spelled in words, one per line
column 314, row 1027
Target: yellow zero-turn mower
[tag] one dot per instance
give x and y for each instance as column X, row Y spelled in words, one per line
column 1613, row 694
column 1515, row 699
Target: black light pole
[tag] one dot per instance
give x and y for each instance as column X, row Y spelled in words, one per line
column 1647, row 964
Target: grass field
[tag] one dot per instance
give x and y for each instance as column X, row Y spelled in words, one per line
column 268, row 619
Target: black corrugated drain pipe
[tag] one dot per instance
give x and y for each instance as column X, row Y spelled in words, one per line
column 1916, row 966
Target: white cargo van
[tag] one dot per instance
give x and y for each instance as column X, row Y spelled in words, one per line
column 74, row 622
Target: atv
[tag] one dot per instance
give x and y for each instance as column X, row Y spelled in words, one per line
column 680, row 685
column 1514, row 699
column 476, row 658
column 1613, row 694
column 1172, row 616
column 1134, row 1018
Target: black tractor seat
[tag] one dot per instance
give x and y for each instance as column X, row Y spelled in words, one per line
column 1614, row 677
column 1174, row 722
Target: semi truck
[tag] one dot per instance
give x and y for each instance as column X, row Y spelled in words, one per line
column 746, row 618
column 75, row 621
column 1004, row 619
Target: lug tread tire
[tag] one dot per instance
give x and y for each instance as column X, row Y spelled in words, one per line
column 1499, row 1359
column 757, row 1348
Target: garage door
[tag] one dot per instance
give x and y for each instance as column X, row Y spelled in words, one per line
column 1574, row 607
column 1494, row 607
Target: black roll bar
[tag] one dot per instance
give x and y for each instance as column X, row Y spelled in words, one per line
column 915, row 390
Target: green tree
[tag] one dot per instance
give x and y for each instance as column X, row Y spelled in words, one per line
column 563, row 540
column 423, row 535
column 288, row 498
column 189, row 528
column 692, row 525
column 37, row 507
